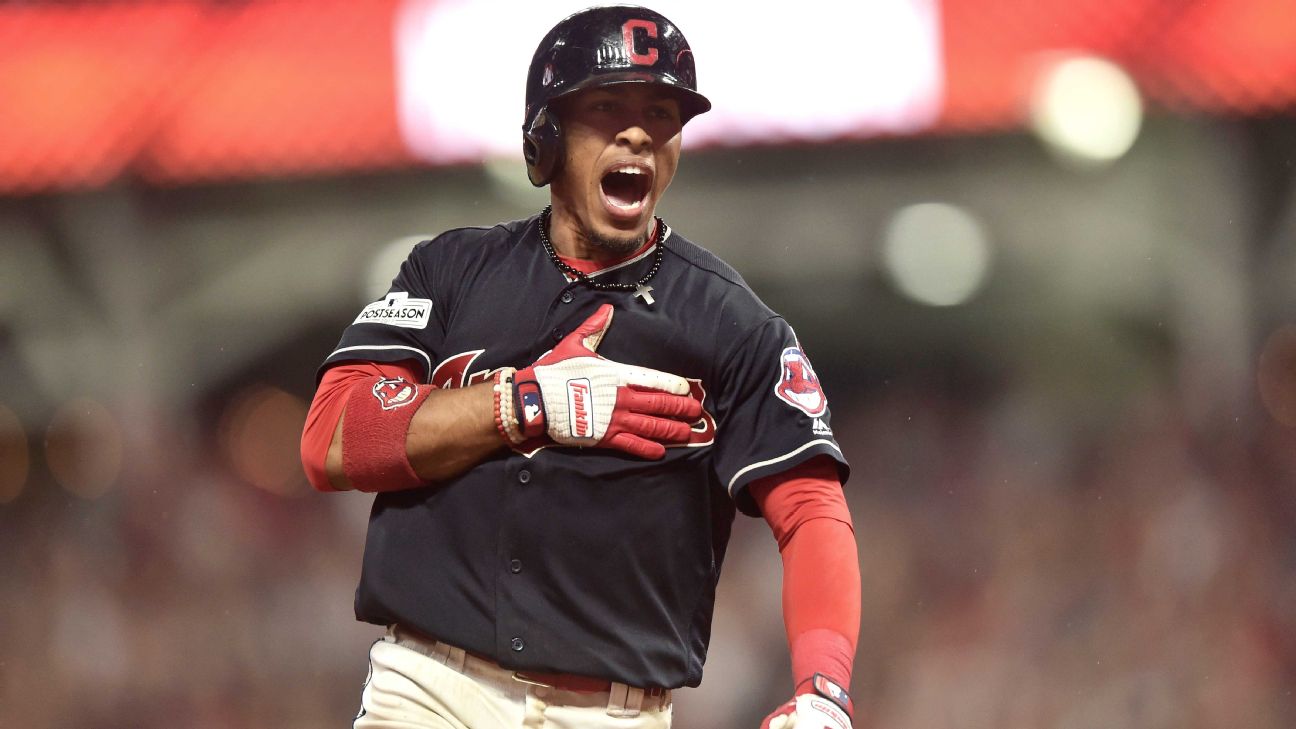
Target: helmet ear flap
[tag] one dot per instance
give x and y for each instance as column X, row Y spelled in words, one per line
column 542, row 147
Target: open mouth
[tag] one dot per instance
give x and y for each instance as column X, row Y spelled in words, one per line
column 625, row 188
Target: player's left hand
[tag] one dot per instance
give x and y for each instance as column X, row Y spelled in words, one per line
column 808, row 711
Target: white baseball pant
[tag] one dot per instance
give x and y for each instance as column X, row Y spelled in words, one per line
column 417, row 683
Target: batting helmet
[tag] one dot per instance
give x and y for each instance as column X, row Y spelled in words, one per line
column 602, row 46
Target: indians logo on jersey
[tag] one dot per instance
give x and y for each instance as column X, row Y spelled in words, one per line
column 394, row 393
column 453, row 371
column 798, row 385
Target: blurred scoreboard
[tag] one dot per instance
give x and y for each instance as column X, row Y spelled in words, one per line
column 181, row 91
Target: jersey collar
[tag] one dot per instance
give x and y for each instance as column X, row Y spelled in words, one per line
column 592, row 270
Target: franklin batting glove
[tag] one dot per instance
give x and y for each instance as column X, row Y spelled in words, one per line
column 574, row 397
column 828, row 707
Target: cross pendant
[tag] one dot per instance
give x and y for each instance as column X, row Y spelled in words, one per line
column 645, row 292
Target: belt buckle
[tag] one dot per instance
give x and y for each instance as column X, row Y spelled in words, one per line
column 523, row 678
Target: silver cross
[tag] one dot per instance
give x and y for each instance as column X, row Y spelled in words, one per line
column 645, row 292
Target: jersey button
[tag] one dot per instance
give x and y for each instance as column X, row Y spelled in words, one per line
column 557, row 334
column 517, row 644
column 567, row 297
column 515, row 566
column 524, row 476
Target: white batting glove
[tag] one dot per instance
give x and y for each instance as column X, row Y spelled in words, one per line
column 577, row 398
column 809, row 711
column 828, row 707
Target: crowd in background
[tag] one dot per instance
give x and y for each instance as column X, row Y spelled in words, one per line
column 1019, row 572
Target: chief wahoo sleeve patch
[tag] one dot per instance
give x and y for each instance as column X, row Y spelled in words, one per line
column 798, row 385
column 394, row 393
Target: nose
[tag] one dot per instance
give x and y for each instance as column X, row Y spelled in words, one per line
column 635, row 138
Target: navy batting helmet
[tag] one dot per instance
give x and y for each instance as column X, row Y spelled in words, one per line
column 602, row 46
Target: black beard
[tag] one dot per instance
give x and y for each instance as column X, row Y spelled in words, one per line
column 619, row 246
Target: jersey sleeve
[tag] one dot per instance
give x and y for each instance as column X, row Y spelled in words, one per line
column 772, row 412
column 407, row 323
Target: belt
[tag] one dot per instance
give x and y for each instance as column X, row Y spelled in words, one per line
column 572, row 682
column 559, row 681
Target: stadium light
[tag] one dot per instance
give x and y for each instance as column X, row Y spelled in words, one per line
column 936, row 253
column 1087, row 110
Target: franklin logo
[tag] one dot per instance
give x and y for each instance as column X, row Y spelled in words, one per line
column 579, row 407
column 798, row 385
column 397, row 310
column 830, row 711
column 395, row 393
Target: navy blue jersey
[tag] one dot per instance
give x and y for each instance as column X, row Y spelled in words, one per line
column 585, row 561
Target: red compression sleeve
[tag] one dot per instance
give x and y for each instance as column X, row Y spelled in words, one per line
column 327, row 406
column 821, row 584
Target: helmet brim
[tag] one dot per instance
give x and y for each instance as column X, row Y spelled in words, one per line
column 691, row 102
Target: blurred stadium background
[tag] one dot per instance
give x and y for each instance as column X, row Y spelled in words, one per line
column 1042, row 253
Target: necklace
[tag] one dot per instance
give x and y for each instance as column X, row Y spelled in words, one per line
column 638, row 286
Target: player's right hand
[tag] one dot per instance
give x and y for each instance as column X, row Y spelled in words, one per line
column 823, row 704
column 577, row 398
column 808, row 711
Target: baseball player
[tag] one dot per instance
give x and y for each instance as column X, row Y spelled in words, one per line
column 560, row 417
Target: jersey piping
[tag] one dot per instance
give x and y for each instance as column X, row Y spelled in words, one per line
column 779, row 459
column 427, row 361
column 647, row 251
column 666, row 231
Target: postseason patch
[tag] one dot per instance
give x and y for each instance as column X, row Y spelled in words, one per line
column 798, row 385
column 397, row 310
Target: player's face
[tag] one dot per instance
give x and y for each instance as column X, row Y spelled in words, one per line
column 622, row 148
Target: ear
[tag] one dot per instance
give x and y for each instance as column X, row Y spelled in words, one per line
column 542, row 147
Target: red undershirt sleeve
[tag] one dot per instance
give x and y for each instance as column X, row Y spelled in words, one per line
column 807, row 512
column 328, row 404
